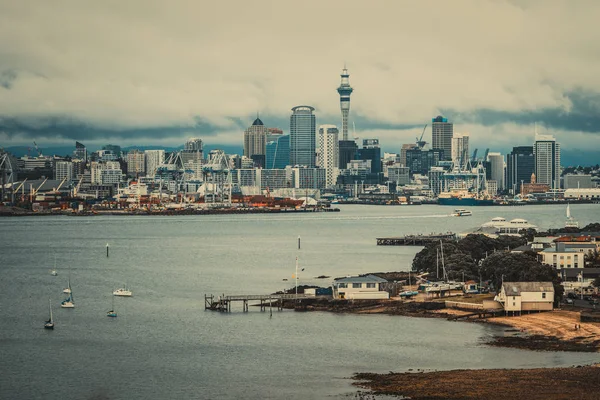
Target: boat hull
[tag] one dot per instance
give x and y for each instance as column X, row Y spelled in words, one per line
column 49, row 326
column 68, row 305
column 456, row 201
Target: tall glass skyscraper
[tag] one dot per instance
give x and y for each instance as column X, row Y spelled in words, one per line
column 520, row 164
column 547, row 160
column 278, row 153
column 302, row 136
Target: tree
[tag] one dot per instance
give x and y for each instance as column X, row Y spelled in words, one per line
column 519, row 267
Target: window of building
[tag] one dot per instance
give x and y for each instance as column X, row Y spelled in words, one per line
column 543, row 295
column 370, row 286
column 357, row 285
column 342, row 285
column 514, row 304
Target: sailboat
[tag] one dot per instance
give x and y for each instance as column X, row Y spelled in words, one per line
column 50, row 323
column 123, row 292
column 571, row 222
column 68, row 302
column 112, row 312
column 67, row 290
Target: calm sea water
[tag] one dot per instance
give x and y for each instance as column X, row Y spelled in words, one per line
column 164, row 345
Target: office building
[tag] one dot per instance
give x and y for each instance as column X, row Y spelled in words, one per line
column 329, row 152
column 302, row 137
column 520, row 164
column 403, row 150
column 64, row 169
column 255, row 140
column 136, row 163
column 307, row 178
column 347, row 150
column 547, row 161
column 278, row 153
column 371, row 151
column 399, row 174
column 420, row 161
column 345, row 90
column 154, row 158
column 80, row 152
column 460, row 150
column 496, row 173
column 442, row 132
column 193, row 150
column 572, row 181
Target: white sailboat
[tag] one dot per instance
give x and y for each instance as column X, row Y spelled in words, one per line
column 571, row 222
column 68, row 302
column 67, row 290
column 50, row 323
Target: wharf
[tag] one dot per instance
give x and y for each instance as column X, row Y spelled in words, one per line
column 223, row 302
column 415, row 240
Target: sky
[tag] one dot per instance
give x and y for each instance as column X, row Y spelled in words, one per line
column 157, row 72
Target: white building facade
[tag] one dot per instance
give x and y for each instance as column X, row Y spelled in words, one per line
column 329, row 153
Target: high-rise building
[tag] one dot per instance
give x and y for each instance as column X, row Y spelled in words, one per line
column 547, row 161
column 64, row 169
column 302, row 136
column 345, row 90
column 154, row 158
column 496, row 162
column 80, row 151
column 347, row 150
column 420, row 161
column 520, row 164
column 442, row 132
column 329, row 156
column 136, row 163
column 371, row 151
column 255, row 139
column 278, row 153
column 460, row 150
column 192, row 151
column 405, row 147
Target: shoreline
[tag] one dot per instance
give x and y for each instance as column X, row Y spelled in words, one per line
column 545, row 331
column 577, row 382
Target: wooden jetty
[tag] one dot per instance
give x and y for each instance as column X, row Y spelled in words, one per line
column 415, row 240
column 223, row 303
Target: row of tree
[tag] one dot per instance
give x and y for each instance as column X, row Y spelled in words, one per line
column 481, row 258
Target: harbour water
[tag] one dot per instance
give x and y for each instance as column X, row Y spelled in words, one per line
column 164, row 345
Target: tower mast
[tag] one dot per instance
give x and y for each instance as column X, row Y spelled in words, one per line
column 345, row 90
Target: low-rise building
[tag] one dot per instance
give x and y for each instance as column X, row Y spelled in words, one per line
column 517, row 297
column 360, row 287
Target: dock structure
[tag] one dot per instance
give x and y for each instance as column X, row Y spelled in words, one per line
column 223, row 303
column 415, row 240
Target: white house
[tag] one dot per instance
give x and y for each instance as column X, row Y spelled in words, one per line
column 360, row 287
column 565, row 258
column 517, row 297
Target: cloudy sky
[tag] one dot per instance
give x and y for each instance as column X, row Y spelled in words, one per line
column 157, row 72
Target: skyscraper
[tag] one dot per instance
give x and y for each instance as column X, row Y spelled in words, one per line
column 347, row 151
column 345, row 90
column 329, row 152
column 255, row 139
column 80, row 152
column 460, row 149
column 136, row 163
column 520, row 164
column 302, row 136
column 278, row 153
column 154, row 158
column 442, row 132
column 497, row 169
column 371, row 151
column 192, row 151
column 547, row 160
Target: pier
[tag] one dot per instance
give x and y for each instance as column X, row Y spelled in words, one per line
column 223, row 303
column 415, row 240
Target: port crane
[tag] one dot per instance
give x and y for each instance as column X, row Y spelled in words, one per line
column 6, row 176
column 33, row 192
column 37, row 149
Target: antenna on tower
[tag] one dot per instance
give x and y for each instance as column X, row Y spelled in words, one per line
column 354, row 131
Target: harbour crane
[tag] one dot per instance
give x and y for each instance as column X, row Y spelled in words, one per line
column 486, row 154
column 76, row 188
column 420, row 142
column 474, row 157
column 60, row 185
column 37, row 149
column 33, row 192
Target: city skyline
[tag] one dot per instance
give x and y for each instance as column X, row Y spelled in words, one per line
column 60, row 89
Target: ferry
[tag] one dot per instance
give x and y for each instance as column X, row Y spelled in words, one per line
column 461, row 212
column 500, row 226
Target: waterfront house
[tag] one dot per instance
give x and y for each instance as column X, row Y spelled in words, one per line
column 517, row 297
column 360, row 287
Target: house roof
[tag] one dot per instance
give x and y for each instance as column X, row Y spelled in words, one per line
column 587, row 272
column 555, row 250
column 361, row 279
column 516, row 288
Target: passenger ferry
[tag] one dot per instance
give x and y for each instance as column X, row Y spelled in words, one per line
column 461, row 212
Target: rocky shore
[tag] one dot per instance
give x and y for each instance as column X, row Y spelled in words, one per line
column 532, row 384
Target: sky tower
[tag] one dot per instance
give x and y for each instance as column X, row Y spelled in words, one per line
column 345, row 90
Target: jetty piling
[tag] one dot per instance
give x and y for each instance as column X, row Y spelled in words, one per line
column 415, row 240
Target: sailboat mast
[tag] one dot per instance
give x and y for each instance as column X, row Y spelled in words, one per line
column 50, row 305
